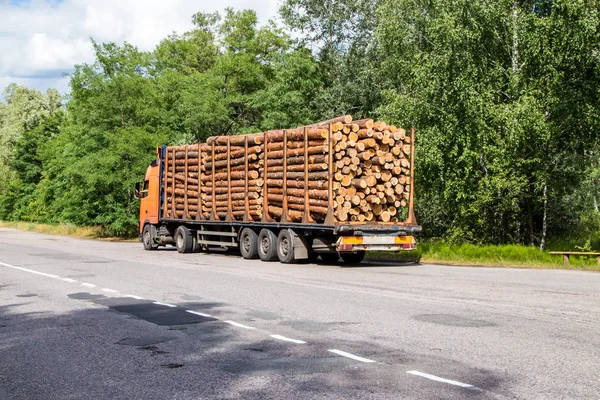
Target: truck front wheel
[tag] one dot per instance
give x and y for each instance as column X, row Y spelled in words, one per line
column 267, row 245
column 183, row 240
column 148, row 235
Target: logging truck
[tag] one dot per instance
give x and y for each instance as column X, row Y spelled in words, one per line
column 334, row 189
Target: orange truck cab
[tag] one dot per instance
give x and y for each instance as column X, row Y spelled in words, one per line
column 148, row 191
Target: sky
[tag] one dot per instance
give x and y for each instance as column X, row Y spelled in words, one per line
column 41, row 40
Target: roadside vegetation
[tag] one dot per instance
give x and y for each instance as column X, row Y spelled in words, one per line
column 503, row 96
column 508, row 255
column 512, row 255
column 92, row 232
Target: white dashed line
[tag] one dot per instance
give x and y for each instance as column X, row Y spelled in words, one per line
column 31, row 271
column 352, row 356
column 238, row 325
column 437, row 378
column 279, row 337
column 199, row 313
column 233, row 323
column 158, row 303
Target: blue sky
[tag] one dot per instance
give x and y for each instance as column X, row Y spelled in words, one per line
column 41, row 40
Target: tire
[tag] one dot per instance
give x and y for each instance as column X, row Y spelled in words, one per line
column 183, row 240
column 196, row 248
column 148, row 234
column 353, row 258
column 329, row 258
column 285, row 246
column 267, row 245
column 249, row 244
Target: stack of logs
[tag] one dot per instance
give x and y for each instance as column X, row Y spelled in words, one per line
column 369, row 168
column 228, row 166
column 371, row 171
column 186, row 190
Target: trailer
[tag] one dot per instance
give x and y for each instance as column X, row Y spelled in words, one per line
column 285, row 195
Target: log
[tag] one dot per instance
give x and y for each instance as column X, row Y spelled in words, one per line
column 241, row 182
column 234, row 175
column 237, row 153
column 297, row 184
column 276, row 146
column 236, row 140
column 297, row 200
column 299, row 152
column 191, row 154
column 344, row 119
column 315, row 159
column 232, row 162
column 300, row 167
column 297, row 134
column 298, row 175
column 365, row 123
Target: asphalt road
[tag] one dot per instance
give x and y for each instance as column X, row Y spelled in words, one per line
column 84, row 319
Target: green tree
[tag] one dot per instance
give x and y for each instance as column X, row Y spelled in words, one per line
column 482, row 82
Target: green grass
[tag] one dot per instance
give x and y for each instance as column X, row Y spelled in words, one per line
column 510, row 255
column 92, row 232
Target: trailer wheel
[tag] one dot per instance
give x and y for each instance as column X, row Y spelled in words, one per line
column 196, row 248
column 285, row 247
column 267, row 245
column 249, row 244
column 353, row 258
column 183, row 240
column 330, row 258
column 148, row 234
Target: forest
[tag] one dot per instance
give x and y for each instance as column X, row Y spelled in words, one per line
column 503, row 96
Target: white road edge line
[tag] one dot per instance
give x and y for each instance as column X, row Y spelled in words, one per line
column 68, row 280
column 164, row 304
column 199, row 313
column 31, row 271
column 437, row 378
column 110, row 290
column 88, row 284
column 134, row 297
column 352, row 356
column 279, row 337
column 238, row 325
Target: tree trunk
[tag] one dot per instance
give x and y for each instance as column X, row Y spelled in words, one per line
column 544, row 223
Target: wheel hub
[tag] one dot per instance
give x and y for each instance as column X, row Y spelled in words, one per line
column 264, row 245
column 284, row 246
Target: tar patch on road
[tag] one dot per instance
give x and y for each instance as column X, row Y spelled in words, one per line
column 144, row 309
column 453, row 320
column 85, row 296
column 145, row 341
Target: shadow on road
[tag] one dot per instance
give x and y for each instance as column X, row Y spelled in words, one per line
column 135, row 349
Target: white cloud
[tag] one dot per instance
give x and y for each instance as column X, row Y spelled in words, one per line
column 42, row 39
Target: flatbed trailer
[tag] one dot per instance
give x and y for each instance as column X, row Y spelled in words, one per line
column 266, row 237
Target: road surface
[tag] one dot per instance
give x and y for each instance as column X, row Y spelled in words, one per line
column 107, row 320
